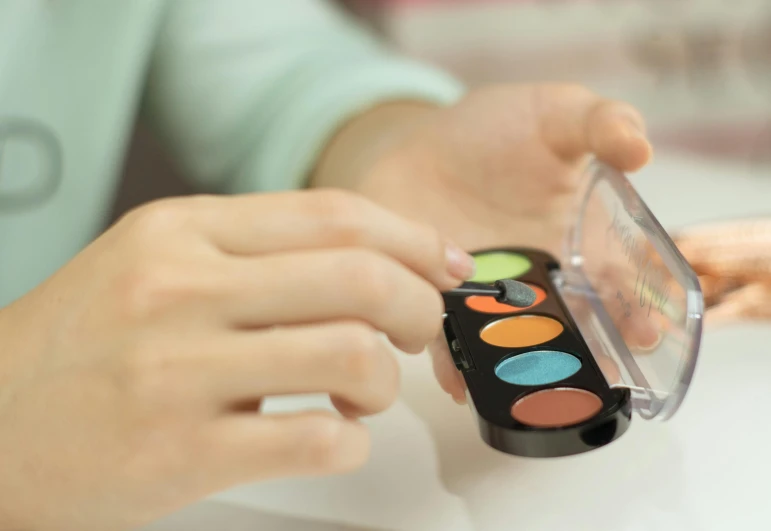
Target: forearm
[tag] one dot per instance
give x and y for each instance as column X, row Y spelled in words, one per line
column 351, row 152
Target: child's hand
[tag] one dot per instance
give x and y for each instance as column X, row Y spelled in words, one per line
column 498, row 168
column 130, row 381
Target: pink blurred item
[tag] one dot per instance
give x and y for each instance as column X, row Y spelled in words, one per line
column 733, row 261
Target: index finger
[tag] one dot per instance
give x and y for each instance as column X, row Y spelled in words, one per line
column 249, row 225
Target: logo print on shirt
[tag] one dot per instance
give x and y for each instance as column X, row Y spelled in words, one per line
column 30, row 164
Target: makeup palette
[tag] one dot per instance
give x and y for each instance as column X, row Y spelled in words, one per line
column 615, row 330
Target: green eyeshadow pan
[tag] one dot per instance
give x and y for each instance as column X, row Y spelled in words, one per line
column 498, row 265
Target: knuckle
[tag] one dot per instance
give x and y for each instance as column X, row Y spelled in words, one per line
column 367, row 364
column 371, row 278
column 325, row 440
column 143, row 289
column 342, row 215
column 361, row 337
column 362, row 345
column 154, row 285
column 151, row 288
column 156, row 219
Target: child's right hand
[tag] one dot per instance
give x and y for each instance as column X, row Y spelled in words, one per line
column 130, row 381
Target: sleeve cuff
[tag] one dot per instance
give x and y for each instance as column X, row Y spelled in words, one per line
column 297, row 141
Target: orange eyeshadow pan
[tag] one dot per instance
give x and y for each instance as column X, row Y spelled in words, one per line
column 483, row 304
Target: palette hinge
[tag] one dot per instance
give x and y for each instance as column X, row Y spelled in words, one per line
column 458, row 348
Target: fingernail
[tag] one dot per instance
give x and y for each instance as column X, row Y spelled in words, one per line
column 460, row 264
column 459, row 401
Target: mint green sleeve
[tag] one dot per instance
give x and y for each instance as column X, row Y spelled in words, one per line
column 245, row 93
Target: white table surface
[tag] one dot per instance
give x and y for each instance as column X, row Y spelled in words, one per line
column 705, row 470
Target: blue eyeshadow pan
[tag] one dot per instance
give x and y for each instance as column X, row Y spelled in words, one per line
column 538, row 367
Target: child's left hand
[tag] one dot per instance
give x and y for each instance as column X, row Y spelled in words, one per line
column 498, row 168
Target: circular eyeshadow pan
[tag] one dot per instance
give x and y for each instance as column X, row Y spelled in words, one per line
column 556, row 408
column 521, row 331
column 497, row 265
column 484, row 304
column 539, row 367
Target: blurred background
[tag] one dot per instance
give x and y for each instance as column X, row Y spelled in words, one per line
column 699, row 70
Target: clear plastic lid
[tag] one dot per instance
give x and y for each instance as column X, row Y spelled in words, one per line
column 635, row 299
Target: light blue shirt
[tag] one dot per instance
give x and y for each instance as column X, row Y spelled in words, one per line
column 244, row 94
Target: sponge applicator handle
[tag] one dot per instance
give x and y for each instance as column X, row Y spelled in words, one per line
column 506, row 291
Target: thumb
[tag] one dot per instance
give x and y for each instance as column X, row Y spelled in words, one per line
column 575, row 122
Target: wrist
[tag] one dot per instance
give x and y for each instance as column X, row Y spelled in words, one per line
column 361, row 141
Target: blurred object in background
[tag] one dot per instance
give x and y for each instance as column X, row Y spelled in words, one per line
column 699, row 70
column 733, row 261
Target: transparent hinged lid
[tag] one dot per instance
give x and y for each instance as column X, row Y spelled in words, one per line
column 633, row 296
